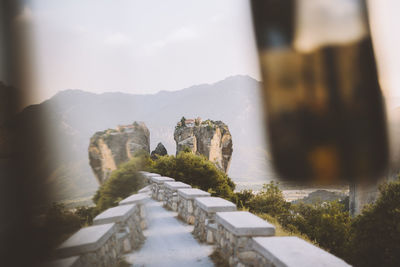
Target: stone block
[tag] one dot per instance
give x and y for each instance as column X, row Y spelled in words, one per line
column 161, row 179
column 175, row 185
column 214, row 204
column 192, row 193
column 145, row 190
column 116, row 214
column 135, row 199
column 243, row 223
column 290, row 251
column 87, row 239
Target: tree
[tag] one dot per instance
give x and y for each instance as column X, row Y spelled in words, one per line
column 196, row 171
column 243, row 198
column 376, row 231
column 123, row 182
column 270, row 200
column 325, row 223
column 183, row 121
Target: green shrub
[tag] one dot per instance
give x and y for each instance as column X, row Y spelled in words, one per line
column 243, row 197
column 326, row 223
column 196, row 171
column 123, row 182
column 376, row 232
column 86, row 214
column 269, row 200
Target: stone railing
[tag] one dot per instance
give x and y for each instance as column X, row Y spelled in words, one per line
column 139, row 200
column 171, row 195
column 235, row 230
column 242, row 238
column 114, row 232
column 127, row 219
column 186, row 199
column 205, row 209
column 157, row 187
column 94, row 246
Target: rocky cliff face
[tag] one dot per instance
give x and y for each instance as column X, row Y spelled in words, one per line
column 209, row 138
column 112, row 147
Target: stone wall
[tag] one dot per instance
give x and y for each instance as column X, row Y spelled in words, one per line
column 240, row 237
column 170, row 194
column 205, row 209
column 186, row 197
column 114, row 232
column 128, row 222
column 93, row 245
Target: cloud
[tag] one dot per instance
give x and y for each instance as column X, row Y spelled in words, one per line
column 118, row 39
column 179, row 35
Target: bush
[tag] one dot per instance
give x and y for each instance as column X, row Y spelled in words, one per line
column 243, row 197
column 86, row 214
column 123, row 182
column 196, row 171
column 376, row 232
column 326, row 223
column 270, row 200
column 54, row 226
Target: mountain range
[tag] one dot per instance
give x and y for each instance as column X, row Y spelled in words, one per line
column 71, row 117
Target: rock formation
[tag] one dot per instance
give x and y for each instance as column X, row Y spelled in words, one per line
column 209, row 138
column 112, row 147
column 160, row 150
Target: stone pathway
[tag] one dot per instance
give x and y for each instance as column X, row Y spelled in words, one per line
column 169, row 242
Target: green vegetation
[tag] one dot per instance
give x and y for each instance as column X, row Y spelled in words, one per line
column 270, row 200
column 123, row 182
column 370, row 239
column 375, row 235
column 196, row 171
column 53, row 226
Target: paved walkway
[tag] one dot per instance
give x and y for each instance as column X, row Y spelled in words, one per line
column 169, row 242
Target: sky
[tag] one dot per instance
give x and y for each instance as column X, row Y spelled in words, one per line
column 138, row 46
column 143, row 47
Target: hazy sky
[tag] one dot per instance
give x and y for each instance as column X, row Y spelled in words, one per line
column 138, row 46
column 144, row 46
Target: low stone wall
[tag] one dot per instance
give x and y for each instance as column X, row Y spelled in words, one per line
column 115, row 231
column 148, row 175
column 139, row 200
column 186, row 199
column 157, row 188
column 242, row 238
column 127, row 219
column 170, row 194
column 95, row 245
column 288, row 251
column 204, row 212
column 234, row 233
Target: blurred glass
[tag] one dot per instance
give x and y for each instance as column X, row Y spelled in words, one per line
column 323, row 103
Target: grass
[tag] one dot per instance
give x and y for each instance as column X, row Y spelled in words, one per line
column 281, row 231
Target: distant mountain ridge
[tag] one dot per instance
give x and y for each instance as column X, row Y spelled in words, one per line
column 73, row 116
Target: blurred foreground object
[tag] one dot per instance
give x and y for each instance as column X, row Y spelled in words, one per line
column 323, row 104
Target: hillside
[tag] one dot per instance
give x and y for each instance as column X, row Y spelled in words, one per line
column 73, row 116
